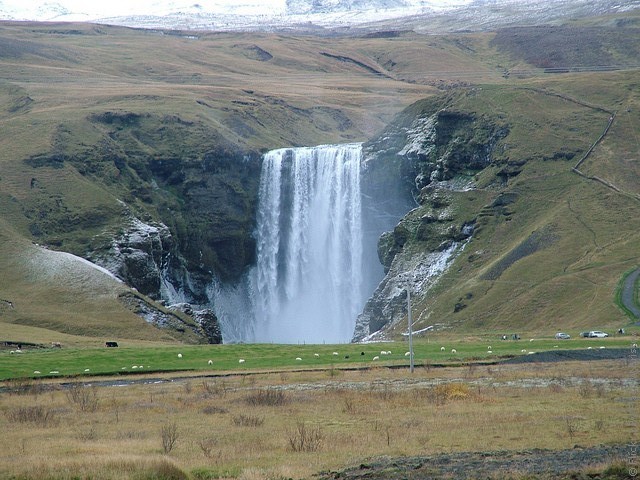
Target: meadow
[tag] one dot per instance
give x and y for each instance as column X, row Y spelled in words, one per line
column 133, row 358
column 288, row 422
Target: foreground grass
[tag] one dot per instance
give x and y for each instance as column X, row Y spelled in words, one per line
column 295, row 424
column 136, row 359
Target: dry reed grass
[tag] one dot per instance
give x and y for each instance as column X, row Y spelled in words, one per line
column 344, row 419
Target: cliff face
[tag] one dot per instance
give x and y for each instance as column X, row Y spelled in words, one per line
column 429, row 154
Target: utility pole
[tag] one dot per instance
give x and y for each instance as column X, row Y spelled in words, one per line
column 410, row 327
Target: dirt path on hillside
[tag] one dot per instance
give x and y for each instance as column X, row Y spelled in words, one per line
column 536, row 463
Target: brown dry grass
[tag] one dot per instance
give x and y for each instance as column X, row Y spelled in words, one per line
column 351, row 415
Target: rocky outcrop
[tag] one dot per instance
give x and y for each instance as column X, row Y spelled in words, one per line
column 205, row 318
column 137, row 255
column 426, row 158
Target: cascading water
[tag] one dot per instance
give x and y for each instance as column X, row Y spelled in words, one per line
column 307, row 284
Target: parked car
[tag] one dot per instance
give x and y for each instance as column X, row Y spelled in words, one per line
column 597, row 334
column 562, row 336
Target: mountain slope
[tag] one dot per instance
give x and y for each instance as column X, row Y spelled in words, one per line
column 140, row 151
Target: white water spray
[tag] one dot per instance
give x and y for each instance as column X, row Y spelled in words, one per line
column 307, row 283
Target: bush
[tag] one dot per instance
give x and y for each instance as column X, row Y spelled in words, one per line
column 36, row 414
column 247, row 421
column 84, row 397
column 169, row 434
column 269, row 398
column 305, row 439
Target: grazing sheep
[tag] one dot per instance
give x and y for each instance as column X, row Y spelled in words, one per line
column 489, row 351
column 523, row 351
column 531, row 339
column 298, row 359
column 335, row 353
column 54, row 372
column 36, row 372
column 453, row 350
column 407, row 354
column 179, row 355
column 635, row 345
column 376, row 358
column 383, row 352
column 530, row 353
column 135, row 366
column 442, row 349
column 388, row 352
column 12, row 352
column 489, row 348
column 603, row 347
column 210, row 362
column 87, row 370
column 316, row 355
column 241, row 360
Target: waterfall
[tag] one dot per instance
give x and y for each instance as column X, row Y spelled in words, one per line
column 307, row 283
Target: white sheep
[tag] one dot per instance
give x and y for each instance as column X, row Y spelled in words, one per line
column 210, row 362
column 442, row 349
column 241, row 360
column 316, row 355
column 383, row 352
column 407, row 354
column 134, row 366
column 87, row 370
column 635, row 345
column 54, row 372
column 453, row 350
column 36, row 372
column 298, row 359
column 376, row 358
column 489, row 351
column 489, row 348
column 179, row 355
column 335, row 353
column 388, row 352
column 523, row 351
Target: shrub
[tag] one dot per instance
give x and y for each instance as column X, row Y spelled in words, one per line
column 270, row 398
column 169, row 434
column 34, row 414
column 305, row 439
column 247, row 421
column 84, row 397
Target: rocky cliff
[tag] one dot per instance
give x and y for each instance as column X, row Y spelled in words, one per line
column 429, row 154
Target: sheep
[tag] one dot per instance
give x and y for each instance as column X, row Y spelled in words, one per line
column 530, row 353
column 298, row 359
column 489, row 348
column 210, row 362
column 54, row 372
column 241, row 360
column 407, row 354
column 442, row 349
column 36, row 372
column 87, row 370
column 383, row 352
column 635, row 345
column 135, row 367
column 388, row 352
column 603, row 347
column 316, row 355
column 335, row 353
column 453, row 350
column 179, row 355
column 376, row 358
column 489, row 351
column 523, row 351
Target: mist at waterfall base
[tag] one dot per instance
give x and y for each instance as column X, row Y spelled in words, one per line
column 312, row 275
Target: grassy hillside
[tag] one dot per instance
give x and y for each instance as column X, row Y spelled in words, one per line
column 550, row 245
column 88, row 113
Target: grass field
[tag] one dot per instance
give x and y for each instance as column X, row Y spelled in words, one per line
column 293, row 424
column 132, row 358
